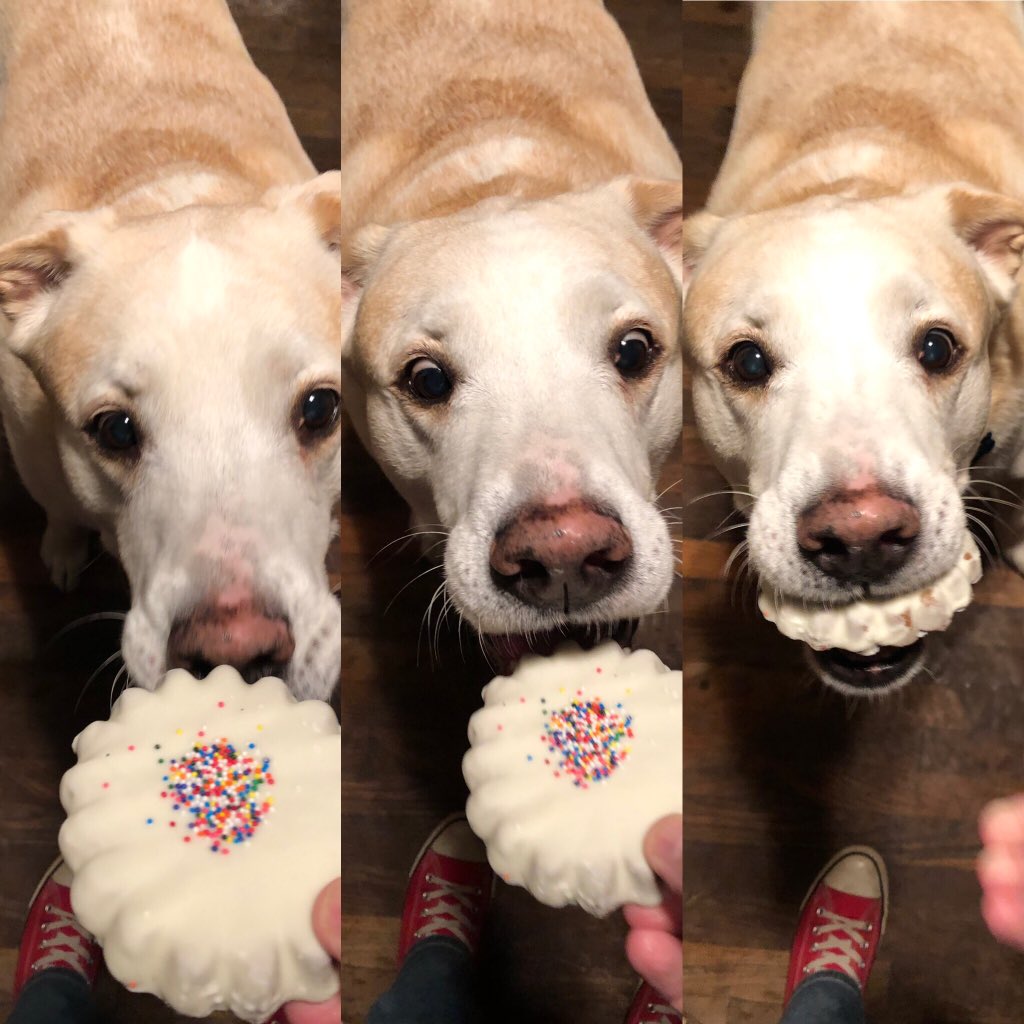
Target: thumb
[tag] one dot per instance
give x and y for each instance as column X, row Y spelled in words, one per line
column 663, row 848
column 327, row 918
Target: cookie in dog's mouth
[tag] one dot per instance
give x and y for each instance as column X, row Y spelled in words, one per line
column 867, row 674
column 504, row 651
column 873, row 645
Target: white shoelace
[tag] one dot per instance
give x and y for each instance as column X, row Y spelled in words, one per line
column 451, row 899
column 668, row 1014
column 842, row 951
column 67, row 945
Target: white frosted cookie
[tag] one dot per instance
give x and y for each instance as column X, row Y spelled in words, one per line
column 203, row 820
column 864, row 626
column 573, row 757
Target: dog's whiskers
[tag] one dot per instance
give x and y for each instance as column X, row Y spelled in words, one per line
column 407, row 538
column 426, row 572
column 86, row 620
column 675, row 483
column 114, row 693
column 99, row 671
column 425, row 621
column 991, row 554
column 716, row 494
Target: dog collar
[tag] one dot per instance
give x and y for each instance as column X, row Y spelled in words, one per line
column 987, row 444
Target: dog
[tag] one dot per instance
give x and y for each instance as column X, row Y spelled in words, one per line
column 852, row 323
column 511, row 268
column 169, row 347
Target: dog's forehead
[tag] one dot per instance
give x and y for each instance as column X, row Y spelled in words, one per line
column 838, row 267
column 183, row 307
column 504, row 266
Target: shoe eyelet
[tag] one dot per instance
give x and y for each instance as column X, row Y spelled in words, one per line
column 48, row 909
column 817, row 911
column 807, row 970
column 871, row 927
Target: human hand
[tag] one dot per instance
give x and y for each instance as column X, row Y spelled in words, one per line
column 654, row 944
column 1001, row 869
column 327, row 926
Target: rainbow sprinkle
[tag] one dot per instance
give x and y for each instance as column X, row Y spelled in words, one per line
column 222, row 790
column 590, row 739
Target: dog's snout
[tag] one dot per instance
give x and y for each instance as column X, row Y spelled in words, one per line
column 236, row 633
column 563, row 557
column 860, row 536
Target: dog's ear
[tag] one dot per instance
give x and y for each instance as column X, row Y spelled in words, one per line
column 358, row 254
column 698, row 230
column 321, row 199
column 993, row 226
column 34, row 269
column 657, row 205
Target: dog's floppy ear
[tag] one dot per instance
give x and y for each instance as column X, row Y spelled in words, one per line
column 358, row 254
column 29, row 268
column 32, row 271
column 321, row 199
column 657, row 205
column 993, row 226
column 698, row 230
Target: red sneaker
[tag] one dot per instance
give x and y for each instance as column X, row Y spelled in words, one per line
column 52, row 937
column 649, row 1006
column 450, row 888
column 842, row 919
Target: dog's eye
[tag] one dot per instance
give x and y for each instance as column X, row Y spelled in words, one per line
column 936, row 350
column 114, row 431
column 748, row 363
column 633, row 352
column 319, row 410
column 428, row 380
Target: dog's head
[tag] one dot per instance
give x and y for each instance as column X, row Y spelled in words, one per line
column 516, row 371
column 841, row 379
column 190, row 366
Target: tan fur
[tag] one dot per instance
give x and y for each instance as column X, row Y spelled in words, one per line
column 877, row 75
column 80, row 129
column 461, row 76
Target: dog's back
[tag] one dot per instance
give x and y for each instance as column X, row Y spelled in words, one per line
column 479, row 97
column 102, row 98
column 881, row 98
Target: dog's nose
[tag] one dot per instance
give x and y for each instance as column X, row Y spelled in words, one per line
column 235, row 633
column 563, row 557
column 858, row 536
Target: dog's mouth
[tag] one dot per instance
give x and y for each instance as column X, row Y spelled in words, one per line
column 868, row 674
column 504, row 651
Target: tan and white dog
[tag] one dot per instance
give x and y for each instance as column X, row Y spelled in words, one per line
column 169, row 351
column 511, row 213
column 850, row 312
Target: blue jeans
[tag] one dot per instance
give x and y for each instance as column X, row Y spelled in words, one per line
column 436, row 984
column 55, row 996
column 827, row 997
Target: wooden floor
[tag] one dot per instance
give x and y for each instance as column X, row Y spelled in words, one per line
column 780, row 774
column 404, row 725
column 297, row 46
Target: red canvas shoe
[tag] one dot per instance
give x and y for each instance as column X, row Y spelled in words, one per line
column 649, row 1006
column 450, row 888
column 52, row 937
column 842, row 919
